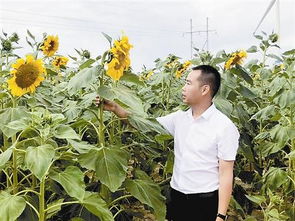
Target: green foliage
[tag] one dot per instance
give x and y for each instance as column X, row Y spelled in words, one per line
column 64, row 158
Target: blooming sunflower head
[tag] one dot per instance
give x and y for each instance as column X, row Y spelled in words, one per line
column 146, row 75
column 27, row 75
column 150, row 73
column 120, row 58
column 121, row 55
column 172, row 61
column 236, row 58
column 183, row 67
column 50, row 45
column 60, row 61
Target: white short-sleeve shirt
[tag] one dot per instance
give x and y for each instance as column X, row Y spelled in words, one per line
column 198, row 145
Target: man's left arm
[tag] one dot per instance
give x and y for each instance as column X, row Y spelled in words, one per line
column 225, row 185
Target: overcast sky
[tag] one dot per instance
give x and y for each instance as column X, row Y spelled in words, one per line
column 155, row 28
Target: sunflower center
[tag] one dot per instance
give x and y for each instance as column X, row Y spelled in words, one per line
column 26, row 75
column 236, row 59
column 51, row 45
column 121, row 56
column 117, row 66
column 58, row 62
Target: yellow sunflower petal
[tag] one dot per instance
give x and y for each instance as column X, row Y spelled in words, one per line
column 29, row 58
column 18, row 63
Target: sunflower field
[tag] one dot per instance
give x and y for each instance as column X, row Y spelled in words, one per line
column 63, row 158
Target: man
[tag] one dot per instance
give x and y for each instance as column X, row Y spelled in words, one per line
column 205, row 146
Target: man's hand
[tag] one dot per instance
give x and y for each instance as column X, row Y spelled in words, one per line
column 113, row 107
column 107, row 104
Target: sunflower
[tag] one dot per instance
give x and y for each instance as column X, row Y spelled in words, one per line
column 120, row 60
column 146, row 75
column 182, row 69
column 27, row 75
column 115, row 69
column 170, row 64
column 50, row 45
column 150, row 73
column 59, row 61
column 236, row 58
column 172, row 61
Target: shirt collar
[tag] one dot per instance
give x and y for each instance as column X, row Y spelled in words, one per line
column 206, row 114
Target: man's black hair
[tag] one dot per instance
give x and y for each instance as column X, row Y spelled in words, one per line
column 210, row 76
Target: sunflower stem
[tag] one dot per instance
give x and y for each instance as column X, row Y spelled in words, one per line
column 101, row 124
column 112, row 122
column 14, row 163
column 60, row 204
column 168, row 92
column 264, row 57
column 118, row 199
column 105, row 193
column 14, row 155
column 5, row 142
column 42, row 200
column 292, row 161
column 163, row 92
column 34, row 181
column 8, row 178
column 6, row 59
column 13, row 102
column 1, row 62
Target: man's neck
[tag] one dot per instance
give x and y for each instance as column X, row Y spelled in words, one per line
column 198, row 109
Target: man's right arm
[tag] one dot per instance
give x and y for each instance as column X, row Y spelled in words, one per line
column 166, row 121
column 120, row 111
column 113, row 107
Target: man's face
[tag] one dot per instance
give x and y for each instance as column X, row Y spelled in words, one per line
column 193, row 91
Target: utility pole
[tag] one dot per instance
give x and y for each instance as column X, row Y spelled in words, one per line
column 191, row 32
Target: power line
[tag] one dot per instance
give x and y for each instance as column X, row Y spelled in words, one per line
column 111, row 29
column 71, row 19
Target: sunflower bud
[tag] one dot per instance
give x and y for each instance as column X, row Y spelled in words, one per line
column 14, row 37
column 86, row 54
column 6, row 45
column 274, row 38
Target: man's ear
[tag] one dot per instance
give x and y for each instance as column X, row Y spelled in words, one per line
column 206, row 89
